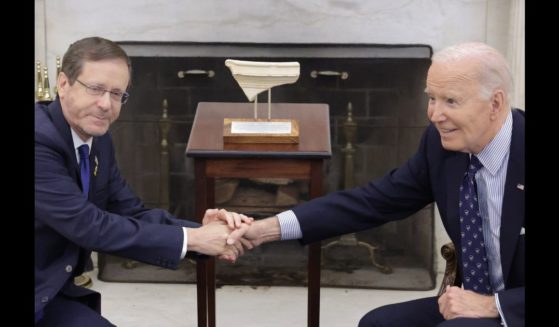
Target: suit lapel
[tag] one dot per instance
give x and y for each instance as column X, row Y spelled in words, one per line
column 64, row 128
column 512, row 216
column 55, row 112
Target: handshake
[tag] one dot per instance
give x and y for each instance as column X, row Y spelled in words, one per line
column 228, row 234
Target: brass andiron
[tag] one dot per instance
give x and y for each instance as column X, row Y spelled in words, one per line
column 46, row 85
column 39, row 91
column 58, row 69
column 42, row 93
column 350, row 128
column 164, row 126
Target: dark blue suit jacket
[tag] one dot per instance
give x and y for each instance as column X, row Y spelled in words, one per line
column 68, row 226
column 432, row 174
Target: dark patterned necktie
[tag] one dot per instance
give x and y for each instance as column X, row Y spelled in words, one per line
column 84, row 168
column 474, row 257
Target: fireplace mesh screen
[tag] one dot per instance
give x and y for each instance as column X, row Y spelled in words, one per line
column 389, row 111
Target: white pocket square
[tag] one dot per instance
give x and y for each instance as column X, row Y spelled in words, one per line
column 522, row 231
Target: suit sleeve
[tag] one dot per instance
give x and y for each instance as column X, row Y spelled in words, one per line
column 513, row 306
column 395, row 196
column 60, row 205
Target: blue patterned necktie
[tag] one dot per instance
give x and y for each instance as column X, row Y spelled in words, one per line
column 474, row 257
column 84, row 168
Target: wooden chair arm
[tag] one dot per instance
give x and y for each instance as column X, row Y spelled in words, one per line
column 451, row 276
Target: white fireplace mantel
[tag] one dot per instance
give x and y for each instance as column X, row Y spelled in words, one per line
column 432, row 22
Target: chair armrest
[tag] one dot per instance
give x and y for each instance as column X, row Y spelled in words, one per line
column 451, row 276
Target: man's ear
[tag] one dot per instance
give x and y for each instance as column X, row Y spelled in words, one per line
column 497, row 103
column 62, row 84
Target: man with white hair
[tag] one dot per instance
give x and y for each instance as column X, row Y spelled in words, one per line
column 473, row 147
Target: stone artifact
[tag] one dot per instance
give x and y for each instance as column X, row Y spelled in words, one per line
column 255, row 77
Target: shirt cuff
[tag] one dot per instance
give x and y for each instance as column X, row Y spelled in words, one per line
column 184, row 243
column 503, row 321
column 289, row 226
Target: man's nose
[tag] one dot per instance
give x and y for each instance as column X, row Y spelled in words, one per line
column 436, row 112
column 105, row 101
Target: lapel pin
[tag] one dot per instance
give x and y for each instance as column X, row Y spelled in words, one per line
column 96, row 165
column 520, row 187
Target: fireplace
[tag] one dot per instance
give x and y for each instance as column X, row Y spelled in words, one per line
column 383, row 85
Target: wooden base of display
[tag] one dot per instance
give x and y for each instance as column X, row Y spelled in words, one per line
column 249, row 130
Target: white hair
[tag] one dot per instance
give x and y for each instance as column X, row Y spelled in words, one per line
column 494, row 71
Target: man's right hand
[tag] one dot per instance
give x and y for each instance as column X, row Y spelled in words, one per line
column 211, row 239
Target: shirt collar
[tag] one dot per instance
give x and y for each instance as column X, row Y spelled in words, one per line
column 493, row 155
column 78, row 141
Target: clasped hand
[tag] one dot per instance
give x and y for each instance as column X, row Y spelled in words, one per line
column 213, row 238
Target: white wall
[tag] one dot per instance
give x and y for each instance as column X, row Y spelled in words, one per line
column 434, row 22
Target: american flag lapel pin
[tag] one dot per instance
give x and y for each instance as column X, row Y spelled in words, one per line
column 96, row 165
column 520, row 187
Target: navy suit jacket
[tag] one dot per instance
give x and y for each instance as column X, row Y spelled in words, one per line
column 432, row 174
column 112, row 220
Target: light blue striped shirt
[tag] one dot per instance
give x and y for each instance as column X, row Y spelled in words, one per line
column 490, row 181
column 289, row 226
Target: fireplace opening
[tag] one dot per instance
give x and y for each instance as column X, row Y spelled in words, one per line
column 381, row 85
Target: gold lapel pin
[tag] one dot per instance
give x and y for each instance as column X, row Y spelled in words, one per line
column 96, row 165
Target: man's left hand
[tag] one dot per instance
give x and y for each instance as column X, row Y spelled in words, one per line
column 457, row 302
column 232, row 219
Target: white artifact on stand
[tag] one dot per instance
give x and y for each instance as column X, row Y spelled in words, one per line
column 255, row 77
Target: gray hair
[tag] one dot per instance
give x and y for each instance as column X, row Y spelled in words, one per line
column 494, row 71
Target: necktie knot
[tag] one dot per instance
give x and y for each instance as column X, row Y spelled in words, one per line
column 474, row 165
column 83, row 150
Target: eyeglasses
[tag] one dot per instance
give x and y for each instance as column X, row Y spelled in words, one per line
column 121, row 97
